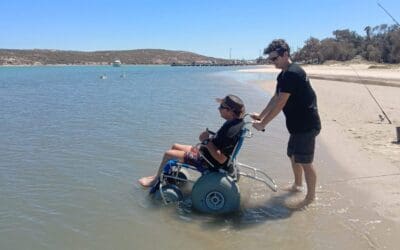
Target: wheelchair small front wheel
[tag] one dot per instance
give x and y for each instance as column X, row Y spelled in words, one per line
column 183, row 177
column 171, row 194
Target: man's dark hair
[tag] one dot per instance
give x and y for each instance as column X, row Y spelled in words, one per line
column 278, row 45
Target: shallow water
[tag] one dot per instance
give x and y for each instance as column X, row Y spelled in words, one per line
column 73, row 145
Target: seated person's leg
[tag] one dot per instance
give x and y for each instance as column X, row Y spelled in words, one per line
column 194, row 158
column 168, row 155
column 182, row 147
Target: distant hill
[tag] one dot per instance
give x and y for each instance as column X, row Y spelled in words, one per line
column 139, row 56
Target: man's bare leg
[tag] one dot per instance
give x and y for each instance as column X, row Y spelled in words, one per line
column 168, row 155
column 311, row 180
column 298, row 177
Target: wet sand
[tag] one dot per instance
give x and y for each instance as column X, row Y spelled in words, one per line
column 360, row 162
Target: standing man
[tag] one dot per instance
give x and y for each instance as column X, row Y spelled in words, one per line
column 295, row 96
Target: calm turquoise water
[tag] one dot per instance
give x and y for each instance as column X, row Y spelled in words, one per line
column 72, row 147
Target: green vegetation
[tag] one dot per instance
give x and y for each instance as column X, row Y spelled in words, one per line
column 380, row 44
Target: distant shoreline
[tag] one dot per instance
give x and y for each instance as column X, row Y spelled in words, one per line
column 126, row 57
column 124, row 65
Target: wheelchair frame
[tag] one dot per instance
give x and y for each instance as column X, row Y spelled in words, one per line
column 172, row 169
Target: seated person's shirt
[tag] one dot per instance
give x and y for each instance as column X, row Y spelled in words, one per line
column 225, row 140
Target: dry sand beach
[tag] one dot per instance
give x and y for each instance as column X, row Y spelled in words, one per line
column 356, row 133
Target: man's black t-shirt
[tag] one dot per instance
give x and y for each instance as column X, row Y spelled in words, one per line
column 225, row 140
column 301, row 108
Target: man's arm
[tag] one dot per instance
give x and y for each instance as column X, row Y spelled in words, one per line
column 277, row 104
column 266, row 110
column 269, row 107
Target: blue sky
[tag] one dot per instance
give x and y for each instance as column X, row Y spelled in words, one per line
column 208, row 27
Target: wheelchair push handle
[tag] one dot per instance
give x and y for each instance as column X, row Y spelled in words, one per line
column 251, row 122
column 262, row 130
column 210, row 132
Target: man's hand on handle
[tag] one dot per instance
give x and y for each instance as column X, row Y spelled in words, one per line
column 255, row 116
column 258, row 125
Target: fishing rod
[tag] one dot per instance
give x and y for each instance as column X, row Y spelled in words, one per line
column 369, row 91
column 373, row 97
column 387, row 12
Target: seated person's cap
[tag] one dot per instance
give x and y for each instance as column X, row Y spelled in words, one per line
column 232, row 101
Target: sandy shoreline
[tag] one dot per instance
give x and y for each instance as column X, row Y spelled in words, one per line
column 355, row 132
column 354, row 73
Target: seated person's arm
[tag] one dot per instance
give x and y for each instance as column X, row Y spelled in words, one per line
column 215, row 153
column 204, row 136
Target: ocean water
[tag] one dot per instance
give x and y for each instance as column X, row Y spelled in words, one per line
column 73, row 144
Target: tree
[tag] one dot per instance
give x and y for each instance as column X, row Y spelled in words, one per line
column 381, row 44
column 329, row 49
column 368, row 32
column 394, row 41
column 310, row 51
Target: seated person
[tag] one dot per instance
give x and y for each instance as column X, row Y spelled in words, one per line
column 216, row 148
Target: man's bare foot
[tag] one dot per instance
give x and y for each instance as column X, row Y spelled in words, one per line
column 148, row 181
column 294, row 188
column 300, row 205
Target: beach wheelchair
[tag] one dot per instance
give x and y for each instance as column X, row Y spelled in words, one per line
column 212, row 190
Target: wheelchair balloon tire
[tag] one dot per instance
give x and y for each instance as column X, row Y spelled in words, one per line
column 215, row 193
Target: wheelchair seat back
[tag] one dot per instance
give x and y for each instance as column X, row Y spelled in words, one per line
column 236, row 150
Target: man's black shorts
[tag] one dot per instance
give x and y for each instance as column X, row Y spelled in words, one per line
column 302, row 146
